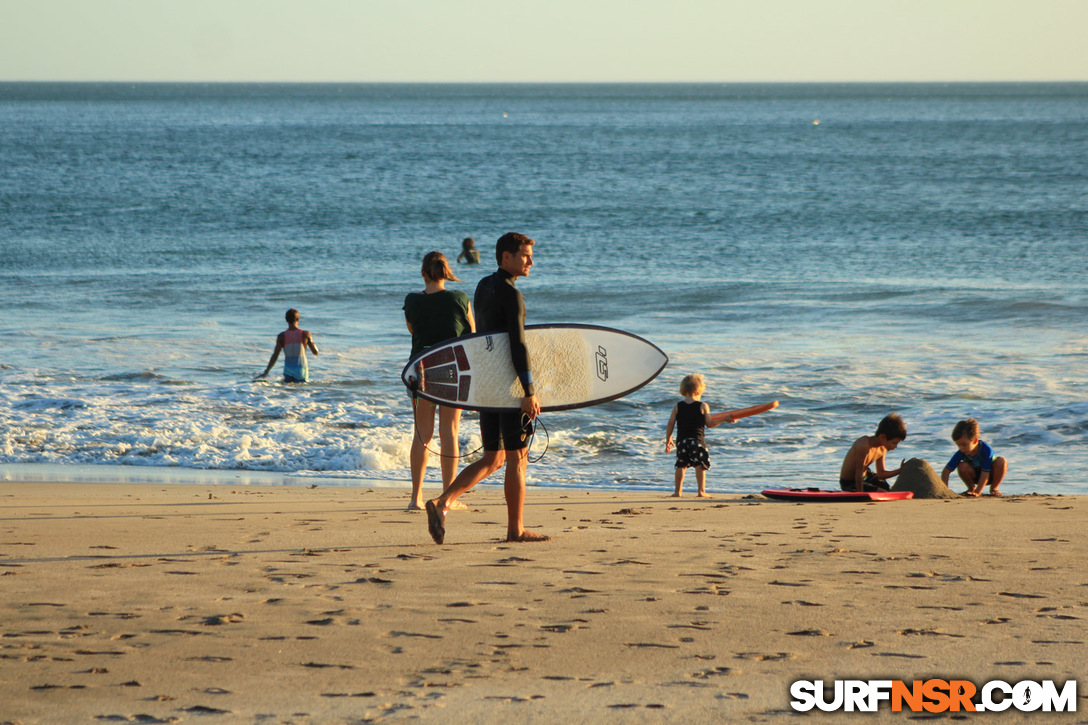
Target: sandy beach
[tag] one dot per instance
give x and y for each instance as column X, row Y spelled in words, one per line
column 182, row 603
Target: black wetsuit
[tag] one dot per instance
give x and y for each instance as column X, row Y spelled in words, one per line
column 500, row 308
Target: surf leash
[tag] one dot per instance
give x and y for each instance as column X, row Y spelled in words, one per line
column 532, row 439
column 528, row 429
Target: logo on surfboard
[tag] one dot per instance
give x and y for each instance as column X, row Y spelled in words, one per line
column 602, row 363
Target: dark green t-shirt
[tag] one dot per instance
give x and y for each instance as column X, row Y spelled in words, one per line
column 436, row 317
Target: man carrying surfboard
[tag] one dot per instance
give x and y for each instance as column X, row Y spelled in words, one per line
column 500, row 308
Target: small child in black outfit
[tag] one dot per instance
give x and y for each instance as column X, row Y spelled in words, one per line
column 691, row 417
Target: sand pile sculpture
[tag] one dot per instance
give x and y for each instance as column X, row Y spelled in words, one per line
column 918, row 476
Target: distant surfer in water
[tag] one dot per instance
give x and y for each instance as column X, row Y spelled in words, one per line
column 500, row 308
column 293, row 342
column 855, row 474
column 434, row 315
column 691, row 417
column 469, row 253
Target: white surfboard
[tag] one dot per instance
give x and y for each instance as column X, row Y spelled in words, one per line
column 573, row 366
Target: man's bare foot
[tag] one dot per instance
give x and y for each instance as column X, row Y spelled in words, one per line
column 675, row 495
column 703, row 494
column 436, row 522
column 415, row 506
column 528, row 537
column 995, row 492
column 457, row 506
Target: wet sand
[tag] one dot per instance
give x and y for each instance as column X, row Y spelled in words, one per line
column 181, row 603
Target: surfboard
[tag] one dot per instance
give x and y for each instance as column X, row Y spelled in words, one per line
column 816, row 494
column 745, row 412
column 573, row 366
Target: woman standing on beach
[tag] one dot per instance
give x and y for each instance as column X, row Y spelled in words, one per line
column 434, row 315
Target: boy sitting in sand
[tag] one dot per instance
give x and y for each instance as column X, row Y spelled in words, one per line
column 974, row 461
column 867, row 450
column 693, row 417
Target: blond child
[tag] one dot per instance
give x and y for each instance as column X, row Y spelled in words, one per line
column 691, row 417
column 974, row 461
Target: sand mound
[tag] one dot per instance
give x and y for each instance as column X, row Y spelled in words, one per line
column 918, row 476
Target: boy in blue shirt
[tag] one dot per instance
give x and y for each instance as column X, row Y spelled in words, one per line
column 975, row 461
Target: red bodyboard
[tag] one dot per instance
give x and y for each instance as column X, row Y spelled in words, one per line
column 817, row 494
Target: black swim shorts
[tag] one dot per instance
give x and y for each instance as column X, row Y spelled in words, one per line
column 690, row 454
column 869, row 482
column 506, row 431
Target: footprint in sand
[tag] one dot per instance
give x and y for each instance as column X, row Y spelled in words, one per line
column 713, row 672
column 349, row 694
column 325, row 665
column 765, row 657
column 205, row 710
column 557, row 628
column 633, row 705
column 209, row 658
column 216, row 620
column 732, row 696
column 421, row 635
column 141, row 718
column 928, row 633
column 1052, row 613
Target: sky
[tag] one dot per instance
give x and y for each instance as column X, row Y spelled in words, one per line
column 543, row 40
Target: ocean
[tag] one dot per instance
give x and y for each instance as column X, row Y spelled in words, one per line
column 849, row 250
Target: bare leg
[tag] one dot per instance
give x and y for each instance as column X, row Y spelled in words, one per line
column 967, row 475
column 679, row 478
column 997, row 475
column 700, row 479
column 514, row 486
column 449, row 423
column 423, row 414
column 470, row 475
